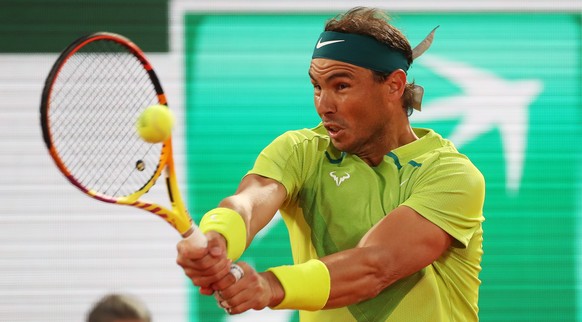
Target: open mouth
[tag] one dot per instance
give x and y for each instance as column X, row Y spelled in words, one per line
column 333, row 130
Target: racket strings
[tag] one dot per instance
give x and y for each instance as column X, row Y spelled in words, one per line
column 116, row 149
column 96, row 99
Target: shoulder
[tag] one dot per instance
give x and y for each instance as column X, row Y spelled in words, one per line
column 302, row 135
column 292, row 157
column 442, row 155
column 440, row 163
column 450, row 170
column 314, row 138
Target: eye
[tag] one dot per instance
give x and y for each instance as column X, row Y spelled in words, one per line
column 316, row 88
column 341, row 86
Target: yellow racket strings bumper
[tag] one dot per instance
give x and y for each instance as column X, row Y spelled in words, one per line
column 231, row 226
column 306, row 285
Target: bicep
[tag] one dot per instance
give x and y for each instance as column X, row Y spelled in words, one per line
column 399, row 245
column 406, row 241
column 257, row 199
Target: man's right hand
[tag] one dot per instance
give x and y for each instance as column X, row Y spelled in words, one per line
column 204, row 266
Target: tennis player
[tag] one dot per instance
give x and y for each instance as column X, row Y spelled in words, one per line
column 385, row 220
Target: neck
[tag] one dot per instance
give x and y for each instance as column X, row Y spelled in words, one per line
column 387, row 143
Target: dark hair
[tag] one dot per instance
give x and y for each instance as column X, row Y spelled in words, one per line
column 114, row 307
column 375, row 23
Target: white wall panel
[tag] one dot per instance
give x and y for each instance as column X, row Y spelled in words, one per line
column 59, row 249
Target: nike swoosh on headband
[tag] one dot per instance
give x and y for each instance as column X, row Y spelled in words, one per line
column 325, row 43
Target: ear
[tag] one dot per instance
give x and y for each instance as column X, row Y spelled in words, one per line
column 396, row 83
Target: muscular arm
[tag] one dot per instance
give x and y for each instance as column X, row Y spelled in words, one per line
column 257, row 199
column 399, row 245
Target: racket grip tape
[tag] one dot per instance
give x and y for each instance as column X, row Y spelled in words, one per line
column 197, row 237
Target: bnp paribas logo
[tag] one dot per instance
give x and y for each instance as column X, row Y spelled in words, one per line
column 486, row 101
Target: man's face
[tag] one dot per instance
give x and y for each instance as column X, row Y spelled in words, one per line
column 355, row 109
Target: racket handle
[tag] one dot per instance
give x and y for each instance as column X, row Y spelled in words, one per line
column 196, row 236
column 199, row 240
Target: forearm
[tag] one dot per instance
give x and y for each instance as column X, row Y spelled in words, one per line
column 257, row 199
column 398, row 246
column 353, row 275
column 356, row 275
column 337, row 280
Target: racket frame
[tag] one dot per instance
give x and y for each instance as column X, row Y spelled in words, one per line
column 178, row 217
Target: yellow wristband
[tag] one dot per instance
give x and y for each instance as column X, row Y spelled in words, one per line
column 231, row 226
column 306, row 285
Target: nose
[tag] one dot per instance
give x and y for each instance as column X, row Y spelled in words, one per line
column 324, row 103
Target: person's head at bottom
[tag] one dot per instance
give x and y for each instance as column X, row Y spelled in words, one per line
column 119, row 308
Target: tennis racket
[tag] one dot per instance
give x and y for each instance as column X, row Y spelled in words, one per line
column 91, row 100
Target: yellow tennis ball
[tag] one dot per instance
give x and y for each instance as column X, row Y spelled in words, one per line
column 154, row 125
